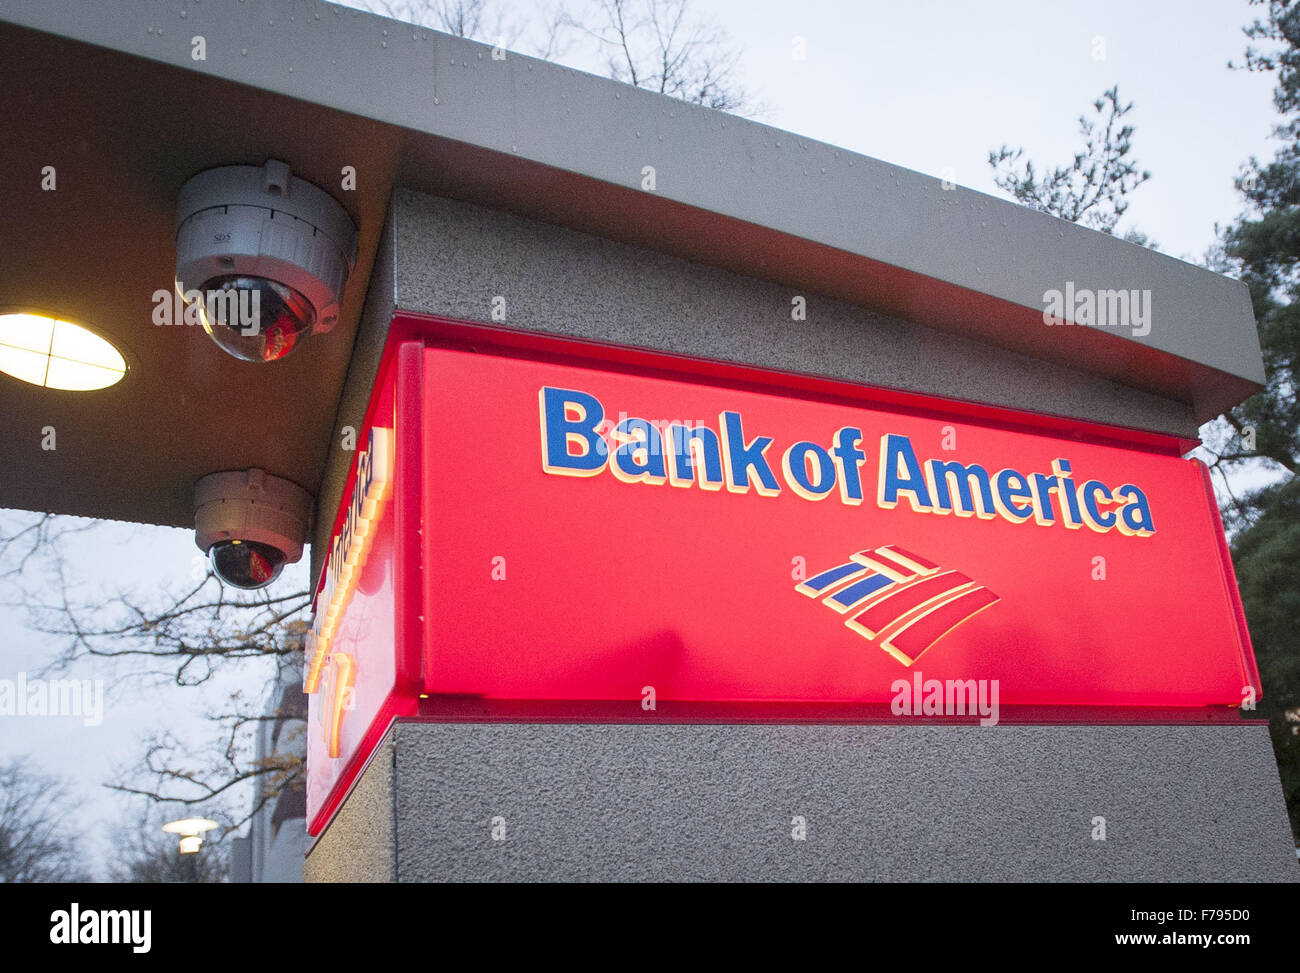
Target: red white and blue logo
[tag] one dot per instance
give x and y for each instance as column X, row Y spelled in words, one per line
column 897, row 600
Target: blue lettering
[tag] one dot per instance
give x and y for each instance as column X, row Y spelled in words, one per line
column 571, row 418
column 901, row 473
column 740, row 458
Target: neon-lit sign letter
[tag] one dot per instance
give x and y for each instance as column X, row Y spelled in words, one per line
column 348, row 552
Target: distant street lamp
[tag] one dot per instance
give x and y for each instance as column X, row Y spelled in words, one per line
column 191, row 831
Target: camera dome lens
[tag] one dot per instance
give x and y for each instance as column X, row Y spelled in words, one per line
column 246, row 564
column 253, row 318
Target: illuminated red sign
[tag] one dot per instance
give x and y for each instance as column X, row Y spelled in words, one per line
column 655, row 531
column 573, row 531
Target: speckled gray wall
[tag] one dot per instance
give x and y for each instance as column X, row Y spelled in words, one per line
column 453, row 258
column 362, row 839
column 890, row 803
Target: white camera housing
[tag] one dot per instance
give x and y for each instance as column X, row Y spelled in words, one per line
column 264, row 229
column 250, row 524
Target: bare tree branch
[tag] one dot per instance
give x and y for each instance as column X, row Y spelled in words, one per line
column 661, row 45
column 37, row 842
column 185, row 637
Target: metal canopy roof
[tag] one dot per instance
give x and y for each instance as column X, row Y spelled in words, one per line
column 108, row 94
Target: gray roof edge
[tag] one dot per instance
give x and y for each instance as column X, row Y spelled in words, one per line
column 561, row 118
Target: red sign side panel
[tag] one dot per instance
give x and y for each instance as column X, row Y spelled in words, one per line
column 379, row 630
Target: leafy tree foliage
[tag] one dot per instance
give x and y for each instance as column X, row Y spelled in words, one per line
column 1093, row 189
column 1265, row 245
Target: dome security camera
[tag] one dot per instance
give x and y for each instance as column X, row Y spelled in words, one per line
column 250, row 525
column 264, row 255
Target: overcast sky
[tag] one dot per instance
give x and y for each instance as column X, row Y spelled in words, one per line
column 932, row 84
column 926, row 85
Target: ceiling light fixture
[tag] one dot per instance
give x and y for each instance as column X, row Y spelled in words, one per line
column 57, row 354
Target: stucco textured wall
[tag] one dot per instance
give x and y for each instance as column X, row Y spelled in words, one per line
column 362, row 838
column 453, row 258
column 881, row 803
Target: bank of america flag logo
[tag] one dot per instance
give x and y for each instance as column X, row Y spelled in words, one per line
column 897, row 600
